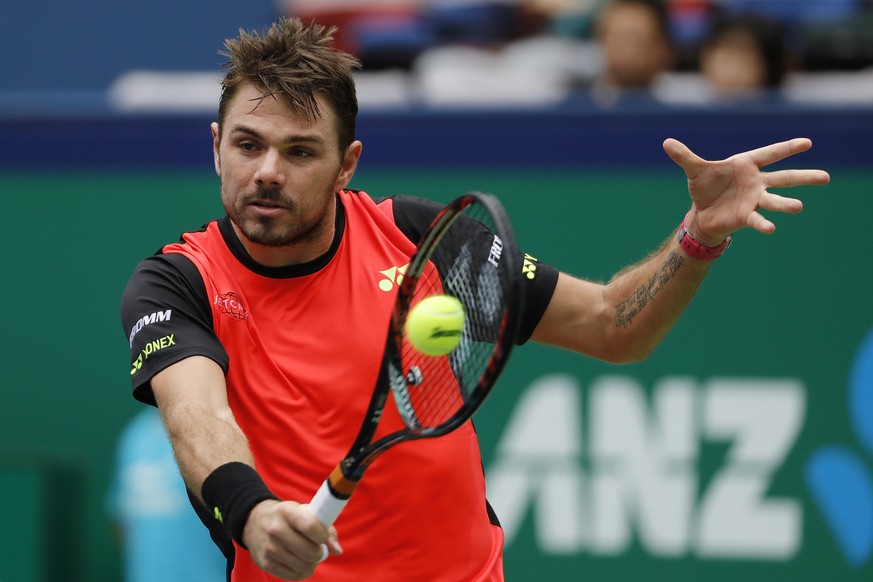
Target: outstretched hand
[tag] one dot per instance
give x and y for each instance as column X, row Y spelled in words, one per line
column 727, row 194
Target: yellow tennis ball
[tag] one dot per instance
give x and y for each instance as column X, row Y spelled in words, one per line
column 434, row 326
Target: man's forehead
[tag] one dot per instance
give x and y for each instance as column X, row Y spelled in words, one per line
column 253, row 107
column 250, row 98
column 251, row 103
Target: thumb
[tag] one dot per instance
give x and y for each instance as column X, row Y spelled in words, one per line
column 684, row 157
column 333, row 544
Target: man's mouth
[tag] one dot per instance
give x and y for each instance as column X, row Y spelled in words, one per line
column 266, row 203
column 266, row 208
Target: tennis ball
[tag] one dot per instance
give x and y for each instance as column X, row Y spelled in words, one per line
column 434, row 325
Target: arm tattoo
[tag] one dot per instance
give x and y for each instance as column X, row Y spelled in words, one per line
column 626, row 312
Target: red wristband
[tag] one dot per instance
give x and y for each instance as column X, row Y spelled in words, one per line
column 698, row 250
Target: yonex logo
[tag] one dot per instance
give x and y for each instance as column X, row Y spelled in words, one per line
column 529, row 267
column 393, row 276
column 840, row 478
column 149, row 349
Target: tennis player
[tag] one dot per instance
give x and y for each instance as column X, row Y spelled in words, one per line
column 259, row 336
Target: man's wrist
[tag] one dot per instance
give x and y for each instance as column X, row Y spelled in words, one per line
column 696, row 249
column 230, row 493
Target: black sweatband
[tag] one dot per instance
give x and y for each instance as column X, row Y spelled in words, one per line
column 230, row 492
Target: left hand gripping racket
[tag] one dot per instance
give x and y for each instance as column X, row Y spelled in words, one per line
column 469, row 252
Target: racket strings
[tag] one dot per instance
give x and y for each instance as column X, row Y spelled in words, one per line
column 431, row 390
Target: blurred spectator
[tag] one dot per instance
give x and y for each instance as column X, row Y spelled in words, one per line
column 744, row 55
column 540, row 52
column 634, row 40
column 162, row 538
column 626, row 49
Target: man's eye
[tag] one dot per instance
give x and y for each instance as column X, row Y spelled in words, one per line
column 298, row 153
column 247, row 146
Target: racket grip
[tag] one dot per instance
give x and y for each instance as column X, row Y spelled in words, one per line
column 326, row 508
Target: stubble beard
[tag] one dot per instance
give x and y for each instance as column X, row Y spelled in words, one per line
column 277, row 232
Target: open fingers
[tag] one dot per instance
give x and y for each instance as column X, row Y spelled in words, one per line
column 773, row 203
column 684, row 157
column 764, row 156
column 776, row 203
column 791, row 178
column 758, row 222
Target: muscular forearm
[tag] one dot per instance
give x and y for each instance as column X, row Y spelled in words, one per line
column 204, row 444
column 191, row 396
column 624, row 320
column 647, row 299
column 284, row 538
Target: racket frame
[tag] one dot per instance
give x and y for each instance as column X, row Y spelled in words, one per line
column 336, row 490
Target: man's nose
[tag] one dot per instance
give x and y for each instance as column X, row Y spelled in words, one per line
column 270, row 170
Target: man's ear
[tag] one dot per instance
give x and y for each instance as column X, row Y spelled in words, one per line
column 349, row 165
column 215, row 143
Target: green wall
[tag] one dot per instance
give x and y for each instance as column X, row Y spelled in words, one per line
column 781, row 316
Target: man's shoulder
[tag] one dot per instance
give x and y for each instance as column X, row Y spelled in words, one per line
column 162, row 265
column 411, row 214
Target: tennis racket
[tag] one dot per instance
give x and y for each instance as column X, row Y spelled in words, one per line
column 469, row 252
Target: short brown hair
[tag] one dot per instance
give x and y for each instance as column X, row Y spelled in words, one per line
column 295, row 62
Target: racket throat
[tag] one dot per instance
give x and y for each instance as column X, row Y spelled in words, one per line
column 341, row 486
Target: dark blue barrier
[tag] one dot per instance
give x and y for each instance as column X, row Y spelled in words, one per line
column 565, row 136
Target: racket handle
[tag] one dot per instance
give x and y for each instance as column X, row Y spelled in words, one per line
column 326, row 508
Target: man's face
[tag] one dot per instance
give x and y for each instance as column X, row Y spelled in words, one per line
column 279, row 172
column 633, row 46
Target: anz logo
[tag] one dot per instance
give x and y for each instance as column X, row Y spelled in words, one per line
column 616, row 465
column 624, row 462
column 840, row 477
